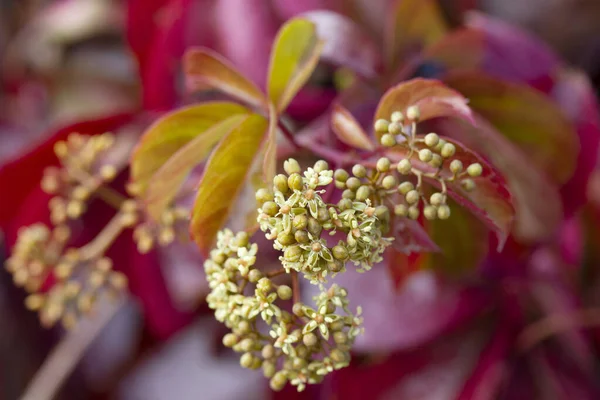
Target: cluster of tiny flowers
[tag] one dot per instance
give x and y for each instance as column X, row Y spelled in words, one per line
column 39, row 255
column 431, row 151
column 299, row 347
column 298, row 220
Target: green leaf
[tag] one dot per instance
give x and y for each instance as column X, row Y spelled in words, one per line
column 433, row 98
column 294, row 57
column 205, row 68
column 270, row 154
column 348, row 130
column 171, row 132
column 411, row 26
column 526, row 117
column 165, row 183
column 225, row 176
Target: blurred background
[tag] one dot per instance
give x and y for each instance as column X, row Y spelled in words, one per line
column 70, row 60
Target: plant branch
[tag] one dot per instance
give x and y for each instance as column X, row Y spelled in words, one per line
column 277, row 272
column 295, row 287
column 104, row 239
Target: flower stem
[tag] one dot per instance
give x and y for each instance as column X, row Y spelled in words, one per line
column 277, row 272
column 104, row 239
column 295, row 287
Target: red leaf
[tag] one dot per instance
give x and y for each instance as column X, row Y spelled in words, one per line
column 348, row 130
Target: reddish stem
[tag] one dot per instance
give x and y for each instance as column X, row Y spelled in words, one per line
column 295, row 287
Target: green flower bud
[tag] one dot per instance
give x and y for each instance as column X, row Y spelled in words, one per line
column 291, row 254
column 280, row 183
column 405, row 187
column 412, row 197
column 230, row 339
column 254, row 275
column 413, row 212
column 268, row 351
column 218, row 257
column 264, row 284
column 286, row 239
column 474, row 170
column 322, row 214
column 436, row 161
column 349, row 194
column 314, row 227
column 339, row 184
column 443, row 212
column 404, row 167
column 448, row 150
column 246, row 360
column 321, row 166
column 359, row 171
column 340, row 252
column 395, row 128
column 242, row 239
column 297, row 310
column 438, row 147
column 437, row 199
column 269, row 369
column 300, row 221
column 430, row 212
column 456, row 166
column 413, row 113
column 294, row 181
column 338, row 356
column 431, row 139
column 341, row 175
column 345, row 204
column 310, row 339
column 335, row 266
column 284, row 292
column 243, row 327
column 383, row 164
column 468, row 184
column 401, row 210
column 340, row 337
column 263, row 195
column 363, row 193
column 247, row 345
column 301, row 237
column 397, row 116
column 256, row 363
column 382, row 213
column 278, row 381
column 337, row 325
column 353, row 183
column 270, row 208
column 388, row 182
column 291, row 166
column 388, row 140
column 299, row 363
column 302, row 351
column 425, row 155
column 381, row 125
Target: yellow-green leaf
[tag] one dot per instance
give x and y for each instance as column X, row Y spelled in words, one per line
column 270, row 161
column 294, row 57
column 171, row 132
column 165, row 183
column 204, row 67
column 225, row 175
column 348, row 130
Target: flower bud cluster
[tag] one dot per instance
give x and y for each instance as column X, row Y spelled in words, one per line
column 433, row 154
column 299, row 347
column 298, row 220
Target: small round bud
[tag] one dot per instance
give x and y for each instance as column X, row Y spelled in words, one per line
column 264, row 284
column 75, row 208
column 246, row 360
column 254, row 275
column 108, row 172
column 299, row 363
column 363, row 193
column 35, row 301
column 401, row 210
column 431, row 139
column 340, row 337
column 278, row 381
column 437, row 199
column 269, row 369
column 443, row 212
column 61, row 149
column 388, row 140
column 413, row 113
column 413, row 212
column 436, row 161
column 297, row 310
column 270, row 208
column 383, row 164
column 286, row 239
column 448, row 150
column 340, row 252
column 341, row 175
column 291, row 166
column 295, row 181
column 310, row 339
column 230, row 339
column 381, row 125
column 335, row 266
column 268, row 351
column 430, row 212
column 425, row 155
column 405, row 187
column 348, row 194
column 338, row 356
column 244, row 327
column 300, row 221
column 284, row 292
column 397, row 116
column 314, row 227
column 412, row 197
column 456, row 166
column 353, row 183
column 280, row 183
column 247, row 344
column 301, row 237
column 382, row 213
column 345, row 204
column 474, row 170
column 359, row 171
column 388, row 182
column 395, row 128
column 404, row 167
column 81, row 193
column 292, row 254
column 468, row 184
column 242, row 239
column 322, row 214
column 321, row 166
